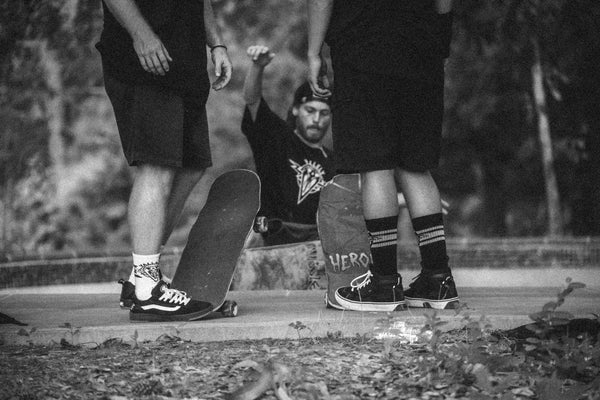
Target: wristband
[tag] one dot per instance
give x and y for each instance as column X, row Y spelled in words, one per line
column 218, row 45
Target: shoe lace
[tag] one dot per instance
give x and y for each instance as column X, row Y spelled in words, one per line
column 175, row 296
column 415, row 280
column 444, row 287
column 366, row 279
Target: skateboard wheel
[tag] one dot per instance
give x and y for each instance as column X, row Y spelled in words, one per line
column 229, row 309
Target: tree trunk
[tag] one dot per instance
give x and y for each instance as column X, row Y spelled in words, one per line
column 55, row 114
column 555, row 223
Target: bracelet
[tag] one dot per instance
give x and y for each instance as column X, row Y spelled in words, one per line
column 218, row 45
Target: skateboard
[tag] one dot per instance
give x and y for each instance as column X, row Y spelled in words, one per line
column 207, row 265
column 343, row 233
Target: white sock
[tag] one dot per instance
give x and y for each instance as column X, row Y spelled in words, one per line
column 147, row 274
column 132, row 274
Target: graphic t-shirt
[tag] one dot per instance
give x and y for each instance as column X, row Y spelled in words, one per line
column 180, row 26
column 292, row 173
column 388, row 37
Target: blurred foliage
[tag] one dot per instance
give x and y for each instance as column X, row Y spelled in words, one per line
column 492, row 155
column 491, row 169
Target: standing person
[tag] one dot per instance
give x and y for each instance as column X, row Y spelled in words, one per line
column 154, row 62
column 290, row 158
column 388, row 61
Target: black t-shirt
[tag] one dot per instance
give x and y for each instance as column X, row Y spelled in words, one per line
column 292, row 173
column 180, row 26
column 389, row 37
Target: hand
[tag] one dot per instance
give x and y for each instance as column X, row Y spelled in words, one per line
column 152, row 54
column 317, row 76
column 260, row 55
column 223, row 67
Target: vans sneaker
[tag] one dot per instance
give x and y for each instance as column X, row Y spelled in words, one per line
column 372, row 292
column 432, row 290
column 167, row 304
column 127, row 294
column 128, row 291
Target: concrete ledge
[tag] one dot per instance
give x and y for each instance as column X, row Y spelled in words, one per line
column 95, row 318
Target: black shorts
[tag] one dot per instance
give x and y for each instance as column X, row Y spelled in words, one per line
column 383, row 122
column 158, row 126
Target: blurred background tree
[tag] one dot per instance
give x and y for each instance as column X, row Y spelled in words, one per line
column 521, row 137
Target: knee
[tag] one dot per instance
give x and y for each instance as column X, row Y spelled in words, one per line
column 193, row 175
column 405, row 174
column 154, row 178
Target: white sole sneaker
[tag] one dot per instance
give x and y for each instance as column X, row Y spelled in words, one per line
column 370, row 306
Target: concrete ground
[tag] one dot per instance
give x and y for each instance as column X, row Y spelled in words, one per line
column 89, row 314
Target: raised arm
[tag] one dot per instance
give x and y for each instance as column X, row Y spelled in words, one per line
column 150, row 50
column 261, row 56
column 218, row 51
column 319, row 14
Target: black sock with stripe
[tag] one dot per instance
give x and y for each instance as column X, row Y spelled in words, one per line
column 384, row 244
column 432, row 242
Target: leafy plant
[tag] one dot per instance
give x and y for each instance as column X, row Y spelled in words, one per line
column 298, row 326
column 73, row 331
column 549, row 318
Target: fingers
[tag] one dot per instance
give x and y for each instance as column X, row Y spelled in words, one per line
column 319, row 83
column 153, row 56
column 318, row 88
column 223, row 71
column 325, row 81
column 157, row 66
column 255, row 51
column 260, row 54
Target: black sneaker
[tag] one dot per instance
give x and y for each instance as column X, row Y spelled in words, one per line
column 128, row 291
column 372, row 292
column 432, row 290
column 127, row 294
column 167, row 304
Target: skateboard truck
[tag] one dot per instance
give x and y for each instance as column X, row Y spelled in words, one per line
column 229, row 309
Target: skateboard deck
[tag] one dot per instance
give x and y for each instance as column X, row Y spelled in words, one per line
column 215, row 242
column 343, row 233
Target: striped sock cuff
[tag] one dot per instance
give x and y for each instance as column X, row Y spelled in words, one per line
column 431, row 235
column 384, row 238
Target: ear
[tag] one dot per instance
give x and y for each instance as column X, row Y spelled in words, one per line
column 295, row 111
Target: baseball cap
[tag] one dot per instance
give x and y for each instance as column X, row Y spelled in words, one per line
column 304, row 93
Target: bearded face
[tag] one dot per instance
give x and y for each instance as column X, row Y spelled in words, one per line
column 312, row 120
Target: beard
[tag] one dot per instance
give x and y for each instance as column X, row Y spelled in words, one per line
column 312, row 134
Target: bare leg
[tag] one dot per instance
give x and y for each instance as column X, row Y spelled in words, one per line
column 181, row 185
column 148, row 207
column 184, row 182
column 421, row 193
column 379, row 194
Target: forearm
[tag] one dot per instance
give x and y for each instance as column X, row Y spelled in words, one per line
column 129, row 16
column 443, row 6
column 213, row 36
column 253, row 84
column 319, row 14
